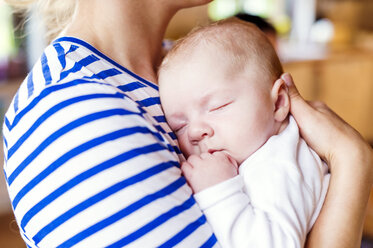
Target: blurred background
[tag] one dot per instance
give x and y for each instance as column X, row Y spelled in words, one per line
column 327, row 45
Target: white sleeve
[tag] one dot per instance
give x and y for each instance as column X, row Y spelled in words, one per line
column 274, row 212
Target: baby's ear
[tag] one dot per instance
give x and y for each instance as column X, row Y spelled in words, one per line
column 280, row 98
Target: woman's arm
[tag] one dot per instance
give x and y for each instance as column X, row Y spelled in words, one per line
column 350, row 159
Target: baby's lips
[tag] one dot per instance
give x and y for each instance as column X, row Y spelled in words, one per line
column 211, row 151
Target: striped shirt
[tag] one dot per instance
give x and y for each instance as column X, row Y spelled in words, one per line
column 90, row 160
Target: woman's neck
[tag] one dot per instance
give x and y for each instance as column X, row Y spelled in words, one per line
column 129, row 32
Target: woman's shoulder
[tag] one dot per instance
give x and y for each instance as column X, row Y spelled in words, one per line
column 68, row 69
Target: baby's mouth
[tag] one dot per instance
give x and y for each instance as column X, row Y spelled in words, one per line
column 211, row 151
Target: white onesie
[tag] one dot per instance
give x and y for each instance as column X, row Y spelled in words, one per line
column 275, row 199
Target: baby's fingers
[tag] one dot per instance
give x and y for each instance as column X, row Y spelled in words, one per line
column 187, row 169
column 223, row 156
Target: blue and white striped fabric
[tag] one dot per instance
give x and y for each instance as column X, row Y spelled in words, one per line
column 90, row 160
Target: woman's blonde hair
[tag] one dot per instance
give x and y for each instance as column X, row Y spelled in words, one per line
column 56, row 14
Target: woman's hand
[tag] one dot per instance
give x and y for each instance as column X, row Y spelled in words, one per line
column 350, row 160
column 331, row 137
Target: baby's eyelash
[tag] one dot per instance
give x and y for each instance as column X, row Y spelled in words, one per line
column 221, row 106
column 178, row 129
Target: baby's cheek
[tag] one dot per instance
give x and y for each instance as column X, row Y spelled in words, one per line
column 188, row 149
column 185, row 147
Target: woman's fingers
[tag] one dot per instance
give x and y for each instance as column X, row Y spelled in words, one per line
column 298, row 105
column 318, row 104
column 323, row 130
column 306, row 117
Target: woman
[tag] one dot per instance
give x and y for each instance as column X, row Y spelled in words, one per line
column 90, row 160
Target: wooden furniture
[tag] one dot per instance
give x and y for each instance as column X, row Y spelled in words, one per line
column 7, row 91
column 345, row 82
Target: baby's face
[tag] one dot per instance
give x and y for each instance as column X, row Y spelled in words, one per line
column 211, row 108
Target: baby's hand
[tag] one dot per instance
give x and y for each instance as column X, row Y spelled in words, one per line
column 207, row 169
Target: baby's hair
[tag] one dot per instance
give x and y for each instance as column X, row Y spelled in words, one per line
column 258, row 21
column 56, row 14
column 242, row 43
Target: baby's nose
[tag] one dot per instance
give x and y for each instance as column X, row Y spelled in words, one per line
column 199, row 131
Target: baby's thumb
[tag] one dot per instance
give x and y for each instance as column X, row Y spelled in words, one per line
column 187, row 169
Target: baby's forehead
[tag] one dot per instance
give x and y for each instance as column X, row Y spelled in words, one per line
column 184, row 61
column 202, row 55
column 193, row 51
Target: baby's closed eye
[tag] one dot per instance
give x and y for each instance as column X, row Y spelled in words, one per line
column 179, row 129
column 220, row 106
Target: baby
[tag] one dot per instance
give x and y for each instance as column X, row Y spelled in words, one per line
column 256, row 180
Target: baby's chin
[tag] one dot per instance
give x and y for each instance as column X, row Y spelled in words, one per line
column 240, row 158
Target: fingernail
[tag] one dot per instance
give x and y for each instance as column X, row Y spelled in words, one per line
column 287, row 78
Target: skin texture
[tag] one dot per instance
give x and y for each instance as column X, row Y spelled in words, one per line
column 219, row 118
column 135, row 29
